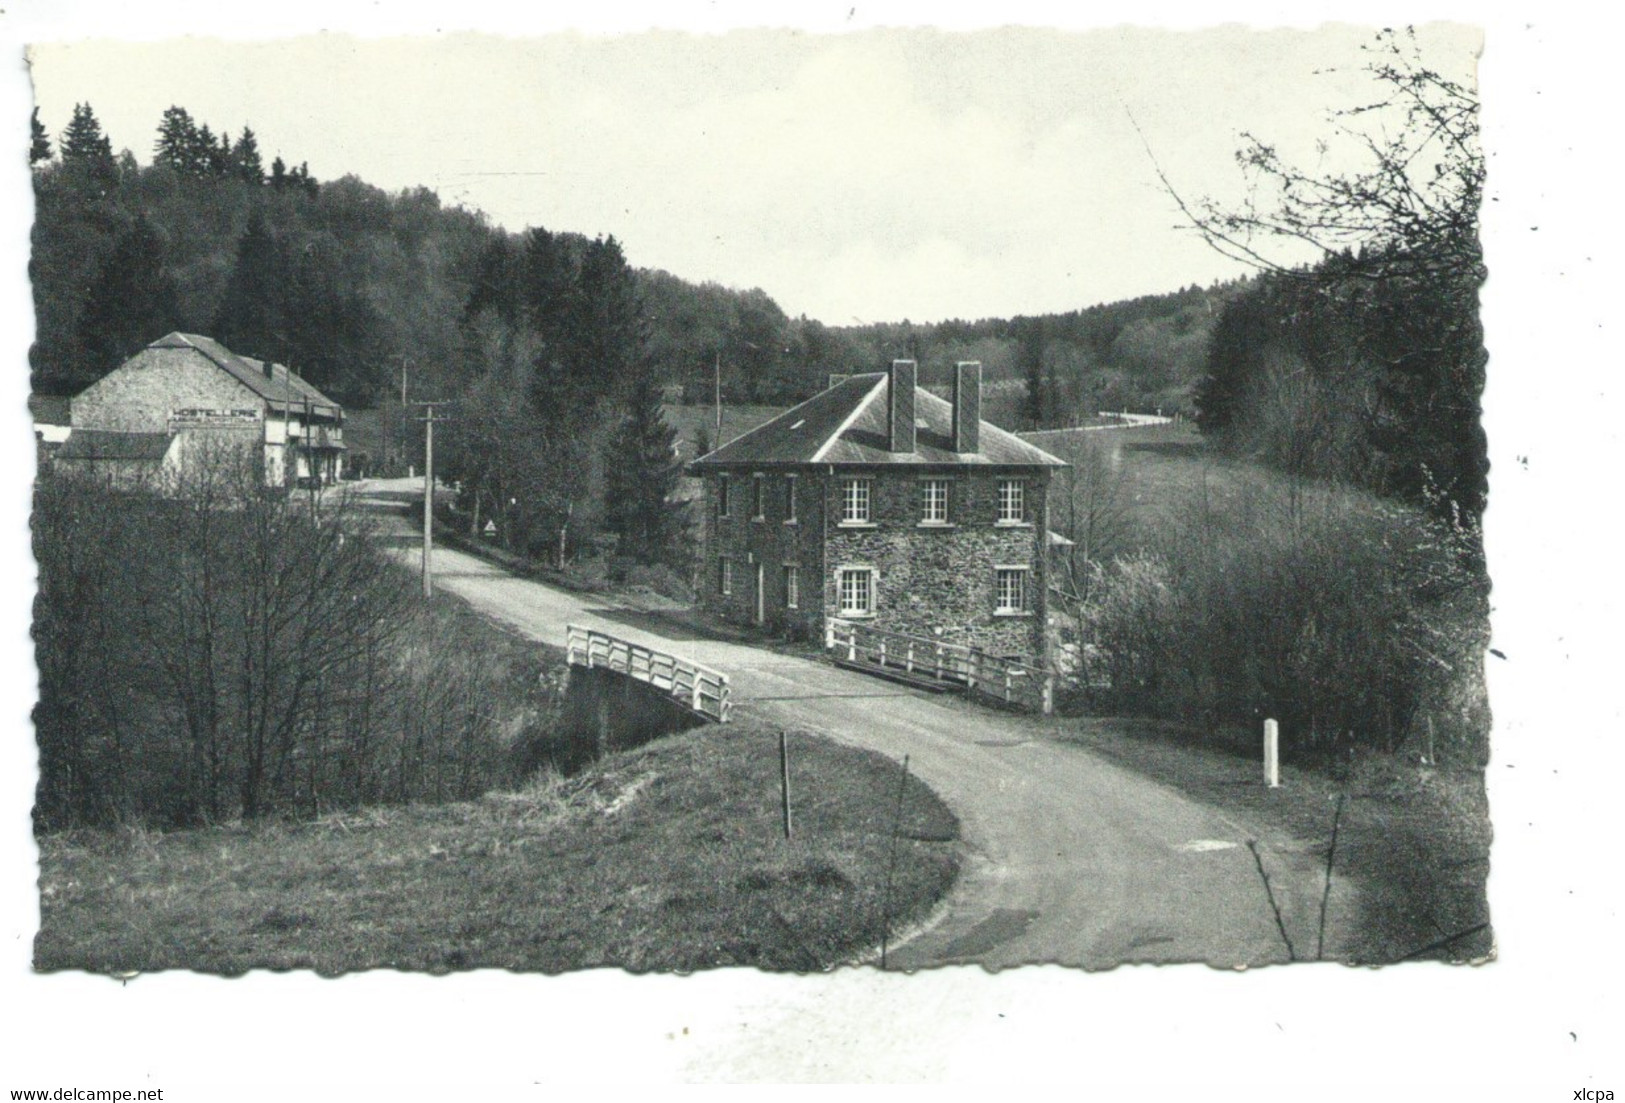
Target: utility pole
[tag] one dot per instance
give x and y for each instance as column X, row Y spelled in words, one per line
column 428, row 420
column 310, row 460
column 717, row 440
column 406, row 362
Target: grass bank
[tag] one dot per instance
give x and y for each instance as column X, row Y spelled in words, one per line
column 671, row 857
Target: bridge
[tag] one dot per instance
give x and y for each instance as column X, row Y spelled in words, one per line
column 698, row 688
column 932, row 664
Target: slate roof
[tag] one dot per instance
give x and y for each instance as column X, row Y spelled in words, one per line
column 106, row 444
column 50, row 409
column 282, row 386
column 846, row 426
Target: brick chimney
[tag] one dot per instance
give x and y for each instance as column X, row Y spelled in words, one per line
column 968, row 406
column 900, row 407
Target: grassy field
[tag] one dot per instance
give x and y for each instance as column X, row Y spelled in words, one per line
column 671, row 857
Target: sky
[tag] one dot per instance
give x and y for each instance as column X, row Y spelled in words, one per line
column 1541, row 1022
column 871, row 175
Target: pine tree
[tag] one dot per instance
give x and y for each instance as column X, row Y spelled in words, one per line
column 39, row 148
column 132, row 302
column 302, row 179
column 548, row 281
column 607, row 319
column 643, row 470
column 224, row 160
column 84, row 144
column 279, row 174
column 212, row 161
column 245, row 158
column 496, row 281
column 250, row 317
column 177, row 143
column 1030, row 335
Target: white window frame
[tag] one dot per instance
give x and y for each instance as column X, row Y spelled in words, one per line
column 1012, row 492
column 927, row 501
column 1021, row 576
column 723, row 496
column 725, row 575
column 856, row 490
column 758, row 491
column 792, row 586
column 789, row 499
column 867, row 586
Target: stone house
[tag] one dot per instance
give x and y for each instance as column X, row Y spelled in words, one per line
column 876, row 501
column 183, row 399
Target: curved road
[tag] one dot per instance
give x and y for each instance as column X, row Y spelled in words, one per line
column 1070, row 859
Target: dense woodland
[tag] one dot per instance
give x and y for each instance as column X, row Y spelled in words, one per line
column 370, row 295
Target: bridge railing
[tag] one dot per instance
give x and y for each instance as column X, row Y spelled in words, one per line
column 1008, row 680
column 687, row 682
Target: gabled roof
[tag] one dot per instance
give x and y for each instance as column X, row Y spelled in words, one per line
column 105, row 444
column 846, row 426
column 281, row 386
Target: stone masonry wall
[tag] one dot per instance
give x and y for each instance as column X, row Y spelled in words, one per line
column 138, row 397
column 939, row 582
column 772, row 541
column 932, row 581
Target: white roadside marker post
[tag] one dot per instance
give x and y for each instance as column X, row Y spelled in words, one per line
column 1272, row 754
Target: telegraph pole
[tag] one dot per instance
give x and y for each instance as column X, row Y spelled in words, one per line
column 428, row 419
column 310, row 460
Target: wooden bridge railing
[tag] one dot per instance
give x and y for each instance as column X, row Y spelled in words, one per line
column 1008, row 680
column 687, row 682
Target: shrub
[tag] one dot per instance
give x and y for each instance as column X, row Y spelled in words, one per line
column 1352, row 621
column 219, row 651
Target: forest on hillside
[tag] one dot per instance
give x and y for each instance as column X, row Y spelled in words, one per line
column 1364, row 367
column 348, row 284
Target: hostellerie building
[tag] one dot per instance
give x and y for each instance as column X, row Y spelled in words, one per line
column 186, row 400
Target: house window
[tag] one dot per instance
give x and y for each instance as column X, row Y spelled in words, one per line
column 722, row 496
column 1012, row 506
column 725, row 575
column 1010, row 585
column 933, row 501
column 790, row 499
column 855, row 502
column 857, row 591
column 758, row 498
column 792, row 586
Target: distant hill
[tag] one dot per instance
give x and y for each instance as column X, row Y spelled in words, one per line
column 354, row 287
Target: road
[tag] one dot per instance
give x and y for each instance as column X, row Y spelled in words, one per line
column 1070, row 859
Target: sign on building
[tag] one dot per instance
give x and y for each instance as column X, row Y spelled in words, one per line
column 196, row 417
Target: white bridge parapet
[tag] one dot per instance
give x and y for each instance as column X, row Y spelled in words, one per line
column 687, row 682
column 1008, row 680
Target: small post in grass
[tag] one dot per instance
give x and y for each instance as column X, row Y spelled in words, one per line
column 1272, row 754
column 784, row 777
column 891, row 866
